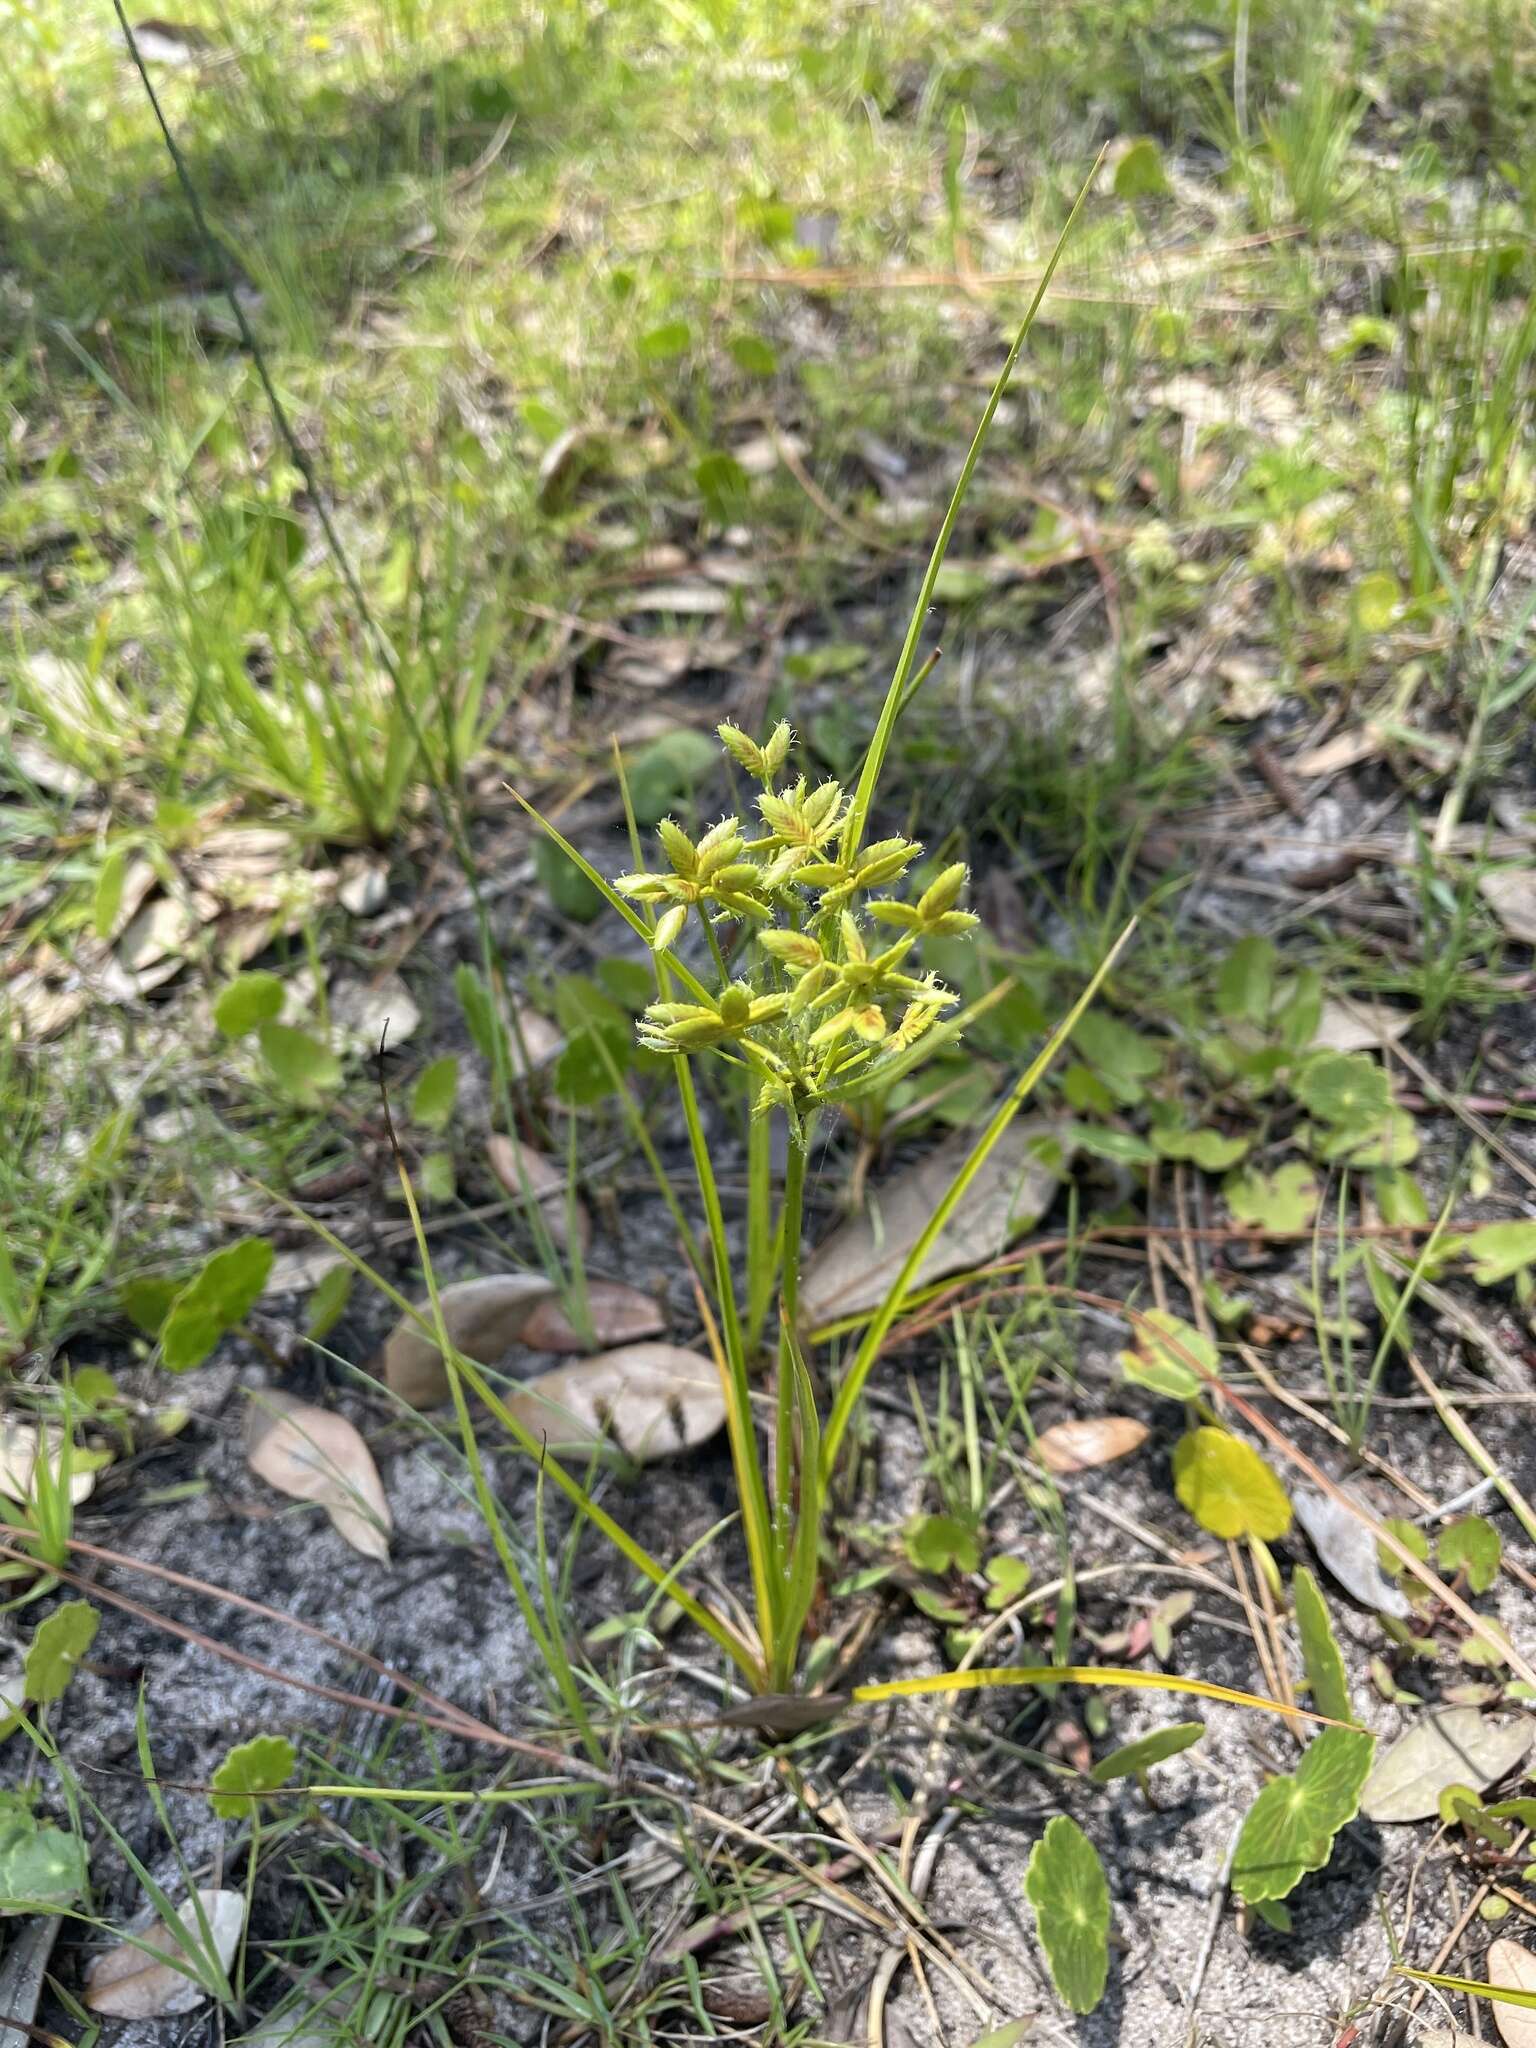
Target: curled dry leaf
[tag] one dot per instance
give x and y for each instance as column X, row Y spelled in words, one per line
column 1077, row 1445
column 648, row 1400
column 1348, row 1549
column 18, row 1461
column 1458, row 1746
column 310, row 1454
column 483, row 1318
column 1512, row 1967
column 620, row 1315
column 522, row 1172
column 129, row 1984
column 1013, row 1189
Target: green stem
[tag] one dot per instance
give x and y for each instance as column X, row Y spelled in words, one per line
column 896, row 695
column 791, row 1224
column 663, row 1577
column 547, row 1638
column 760, row 1233
column 756, row 1522
column 875, row 1335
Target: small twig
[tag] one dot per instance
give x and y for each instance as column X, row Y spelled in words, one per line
column 1208, row 1945
column 1463, row 1921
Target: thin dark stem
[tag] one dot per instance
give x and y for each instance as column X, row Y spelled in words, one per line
column 248, row 341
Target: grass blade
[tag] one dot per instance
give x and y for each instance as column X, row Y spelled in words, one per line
column 1005, row 1675
column 869, row 1348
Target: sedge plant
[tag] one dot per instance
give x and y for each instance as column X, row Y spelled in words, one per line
column 812, row 988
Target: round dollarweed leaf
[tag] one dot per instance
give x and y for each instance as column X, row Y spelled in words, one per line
column 1066, row 1886
column 1227, row 1486
column 1291, row 1826
column 260, row 1765
column 57, row 1647
column 249, row 1000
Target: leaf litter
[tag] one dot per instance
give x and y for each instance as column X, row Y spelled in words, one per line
column 483, row 1318
column 130, row 1982
column 1348, row 1548
column 618, row 1315
column 1511, row 1966
column 855, row 1267
column 524, row 1173
column 647, row 1400
column 311, row 1454
column 1459, row 1746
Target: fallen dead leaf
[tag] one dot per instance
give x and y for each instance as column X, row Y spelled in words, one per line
column 853, row 1269
column 619, row 1314
column 649, row 1400
column 1344, row 750
column 363, row 1011
column 1510, row 894
column 532, row 1042
column 1358, row 1026
column 1348, row 1549
column 129, row 1984
column 18, row 1462
column 483, row 1318
column 311, row 1454
column 540, row 1177
column 1077, row 1445
column 1456, row 1746
column 1512, row 1967
column 1258, row 404
column 159, row 932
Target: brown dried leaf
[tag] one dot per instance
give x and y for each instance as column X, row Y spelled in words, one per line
column 543, row 1180
column 853, row 1269
column 1510, row 894
column 620, row 1315
column 483, row 1318
column 128, row 1984
column 310, row 1454
column 648, row 1400
column 1077, row 1445
column 1512, row 1967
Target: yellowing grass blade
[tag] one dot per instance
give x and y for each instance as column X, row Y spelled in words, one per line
column 1470, row 1988
column 1078, row 1674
